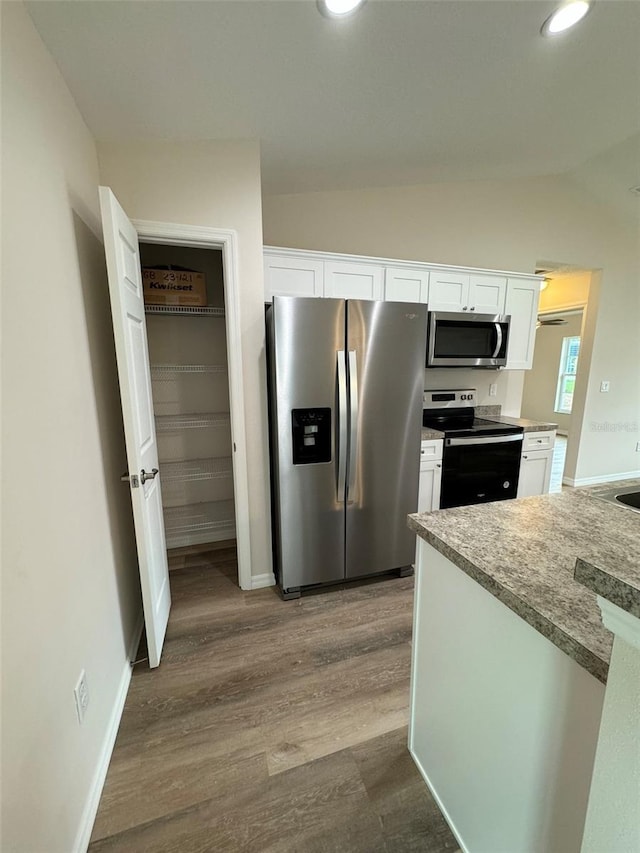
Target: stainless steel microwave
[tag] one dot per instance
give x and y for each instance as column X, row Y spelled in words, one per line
column 467, row 340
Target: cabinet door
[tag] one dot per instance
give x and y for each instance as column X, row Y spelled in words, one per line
column 535, row 473
column 353, row 281
column 522, row 304
column 406, row 285
column 286, row 276
column 487, row 294
column 448, row 291
column 429, row 488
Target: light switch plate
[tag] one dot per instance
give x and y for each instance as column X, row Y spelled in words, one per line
column 604, row 386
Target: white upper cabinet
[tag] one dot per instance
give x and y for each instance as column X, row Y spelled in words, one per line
column 406, row 285
column 291, row 276
column 288, row 272
column 448, row 291
column 522, row 304
column 353, row 281
column 487, row 294
column 478, row 294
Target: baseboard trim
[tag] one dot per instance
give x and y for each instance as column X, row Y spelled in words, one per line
column 605, row 478
column 261, row 581
column 434, row 794
column 83, row 835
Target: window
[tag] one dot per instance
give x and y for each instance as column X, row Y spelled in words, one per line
column 567, row 375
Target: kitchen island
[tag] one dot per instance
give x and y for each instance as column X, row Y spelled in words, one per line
column 510, row 662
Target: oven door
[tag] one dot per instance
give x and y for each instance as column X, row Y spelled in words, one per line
column 467, row 340
column 480, row 469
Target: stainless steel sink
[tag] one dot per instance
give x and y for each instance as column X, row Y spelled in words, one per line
column 628, row 498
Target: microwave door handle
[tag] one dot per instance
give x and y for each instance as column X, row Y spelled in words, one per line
column 353, row 423
column 342, row 426
column 498, row 339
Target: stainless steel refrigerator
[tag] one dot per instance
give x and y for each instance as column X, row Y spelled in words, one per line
column 345, row 396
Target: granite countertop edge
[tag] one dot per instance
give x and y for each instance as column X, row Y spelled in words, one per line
column 604, row 584
column 526, row 424
column 569, row 645
column 429, row 434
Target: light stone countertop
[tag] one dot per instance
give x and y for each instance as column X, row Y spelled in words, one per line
column 525, row 423
column 618, row 582
column 524, row 553
column 429, row 434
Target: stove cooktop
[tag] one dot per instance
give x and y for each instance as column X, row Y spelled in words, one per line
column 466, row 426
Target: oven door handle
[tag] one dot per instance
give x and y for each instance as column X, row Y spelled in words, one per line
column 498, row 339
column 488, row 439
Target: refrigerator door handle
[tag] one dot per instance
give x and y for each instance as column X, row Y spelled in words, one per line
column 353, row 423
column 342, row 428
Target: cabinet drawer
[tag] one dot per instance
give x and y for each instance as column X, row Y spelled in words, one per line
column 538, row 441
column 430, row 450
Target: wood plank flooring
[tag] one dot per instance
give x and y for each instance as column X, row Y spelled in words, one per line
column 271, row 725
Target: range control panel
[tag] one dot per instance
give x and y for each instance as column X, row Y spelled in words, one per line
column 453, row 399
column 311, row 436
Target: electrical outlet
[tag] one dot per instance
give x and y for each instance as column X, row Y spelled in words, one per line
column 637, row 446
column 493, row 389
column 81, row 693
column 604, row 386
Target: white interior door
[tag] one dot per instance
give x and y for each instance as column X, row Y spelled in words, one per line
column 130, row 332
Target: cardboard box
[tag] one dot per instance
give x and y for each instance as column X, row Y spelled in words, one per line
column 175, row 286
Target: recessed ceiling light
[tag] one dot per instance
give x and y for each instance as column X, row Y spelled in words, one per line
column 565, row 16
column 338, row 8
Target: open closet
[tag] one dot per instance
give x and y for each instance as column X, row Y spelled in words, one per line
column 190, row 386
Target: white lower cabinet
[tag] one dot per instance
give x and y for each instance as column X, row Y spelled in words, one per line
column 536, row 464
column 430, row 475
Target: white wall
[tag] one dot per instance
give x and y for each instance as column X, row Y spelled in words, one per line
column 506, row 225
column 214, row 184
column 70, row 591
column 541, row 382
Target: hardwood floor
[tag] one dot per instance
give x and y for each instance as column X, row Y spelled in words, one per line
column 271, row 725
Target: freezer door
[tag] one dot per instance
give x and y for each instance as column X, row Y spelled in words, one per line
column 386, row 344
column 306, row 361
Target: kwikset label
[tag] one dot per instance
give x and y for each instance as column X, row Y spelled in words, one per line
column 174, row 287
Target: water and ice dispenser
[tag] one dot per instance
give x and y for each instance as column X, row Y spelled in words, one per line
column 311, row 436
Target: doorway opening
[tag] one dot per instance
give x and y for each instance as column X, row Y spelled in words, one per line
column 196, row 377
column 189, row 380
column 553, row 388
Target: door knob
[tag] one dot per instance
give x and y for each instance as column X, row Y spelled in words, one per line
column 144, row 476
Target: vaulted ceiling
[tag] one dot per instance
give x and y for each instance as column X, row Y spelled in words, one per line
column 406, row 91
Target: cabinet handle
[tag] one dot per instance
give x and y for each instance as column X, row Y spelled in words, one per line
column 465, row 308
column 525, row 457
column 438, row 465
column 473, row 308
